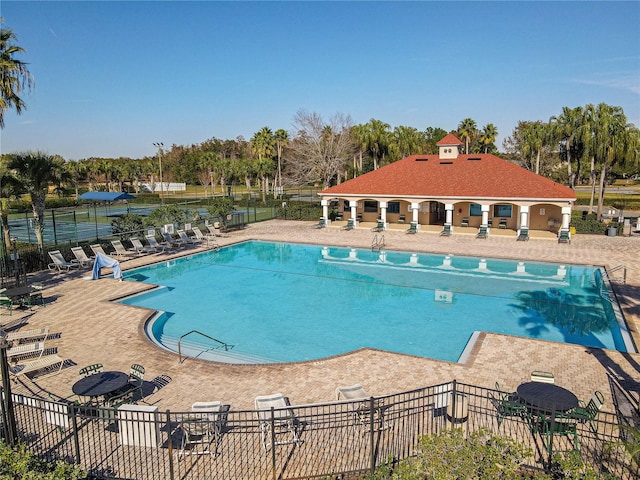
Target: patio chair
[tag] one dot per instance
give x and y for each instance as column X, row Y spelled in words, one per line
column 351, row 224
column 6, row 302
column 158, row 247
column 402, row 219
column 523, row 234
column 322, row 223
column 91, row 369
column 186, row 238
column 588, row 413
column 28, row 334
column 413, row 228
column 120, row 251
column 464, row 222
column 364, row 407
column 209, row 239
column 46, row 362
column 216, row 230
column 560, row 425
column 140, row 248
column 36, row 295
column 507, row 405
column 379, row 227
column 96, row 248
column 503, row 223
column 201, row 427
column 544, row 377
column 564, row 236
column 446, row 230
column 81, row 257
column 483, row 232
column 276, row 420
column 136, row 379
column 26, row 350
column 59, row 263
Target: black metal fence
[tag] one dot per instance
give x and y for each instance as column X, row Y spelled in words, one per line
column 345, row 439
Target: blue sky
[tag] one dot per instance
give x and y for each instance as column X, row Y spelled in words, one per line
column 114, row 77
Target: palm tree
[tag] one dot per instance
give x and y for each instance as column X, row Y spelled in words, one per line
column 10, row 188
column 488, row 137
column 281, row 138
column 408, row 141
column 566, row 128
column 467, row 129
column 262, row 143
column 534, row 136
column 35, row 171
column 378, row 136
column 14, row 74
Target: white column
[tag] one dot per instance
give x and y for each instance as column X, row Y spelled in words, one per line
column 524, row 217
column 325, row 208
column 566, row 217
column 485, row 214
column 354, row 205
column 449, row 214
column 383, row 213
column 416, row 209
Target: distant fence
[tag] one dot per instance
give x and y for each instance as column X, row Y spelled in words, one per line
column 346, row 439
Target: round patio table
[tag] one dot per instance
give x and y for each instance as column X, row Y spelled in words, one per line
column 546, row 397
column 100, row 384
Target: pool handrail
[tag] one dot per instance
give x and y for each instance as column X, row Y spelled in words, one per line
column 226, row 345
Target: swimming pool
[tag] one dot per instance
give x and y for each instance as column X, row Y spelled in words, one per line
column 279, row 302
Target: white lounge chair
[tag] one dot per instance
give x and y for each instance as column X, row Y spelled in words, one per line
column 201, row 427
column 169, row 240
column 97, row 248
column 121, row 251
column 26, row 349
column 210, row 239
column 59, row 263
column 24, row 334
column 276, row 420
column 215, row 230
column 362, row 406
column 81, row 257
column 159, row 248
column 45, row 362
column 140, row 248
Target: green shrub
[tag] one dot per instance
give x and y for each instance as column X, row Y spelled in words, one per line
column 20, row 464
column 127, row 223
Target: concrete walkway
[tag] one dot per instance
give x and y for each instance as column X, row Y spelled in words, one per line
column 89, row 328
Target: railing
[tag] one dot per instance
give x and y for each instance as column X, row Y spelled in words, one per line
column 225, row 345
column 376, row 244
column 624, row 272
column 329, row 440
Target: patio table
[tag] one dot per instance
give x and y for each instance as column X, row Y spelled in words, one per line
column 100, row 384
column 19, row 294
column 546, row 397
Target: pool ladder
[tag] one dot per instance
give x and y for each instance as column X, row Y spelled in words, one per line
column 377, row 244
column 223, row 344
column 624, row 272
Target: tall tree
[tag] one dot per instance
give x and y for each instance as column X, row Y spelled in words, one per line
column 467, row 130
column 10, row 187
column 320, row 151
column 281, row 138
column 378, row 137
column 566, row 129
column 432, row 136
column 407, row 141
column 14, row 74
column 488, row 138
column 534, row 137
column 263, row 143
column 36, row 171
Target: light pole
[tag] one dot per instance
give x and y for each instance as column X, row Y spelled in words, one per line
column 160, row 146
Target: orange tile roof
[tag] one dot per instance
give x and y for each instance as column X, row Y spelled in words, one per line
column 450, row 139
column 467, row 176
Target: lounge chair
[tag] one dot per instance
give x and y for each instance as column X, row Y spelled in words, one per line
column 97, row 248
column 26, row 349
column 121, row 251
column 362, row 406
column 483, row 232
column 46, row 362
column 201, row 427
column 322, row 223
column 446, row 230
column 503, row 223
column 523, row 234
column 464, row 222
column 402, row 219
column 158, row 247
column 544, row 377
column 413, row 228
column 81, row 257
column 169, row 240
column 276, row 420
column 216, row 230
column 59, row 263
column 564, row 236
column 351, row 224
column 140, row 248
column 28, row 334
column 379, row 227
column 209, row 238
column 186, row 239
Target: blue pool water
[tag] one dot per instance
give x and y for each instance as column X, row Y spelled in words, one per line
column 277, row 302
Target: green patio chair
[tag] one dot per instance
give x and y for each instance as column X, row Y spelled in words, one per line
column 322, row 223
column 523, row 234
column 507, row 405
column 564, row 236
column 446, row 230
column 91, row 369
column 413, row 228
column 560, row 425
column 588, row 413
column 483, row 232
column 351, row 224
column 379, row 227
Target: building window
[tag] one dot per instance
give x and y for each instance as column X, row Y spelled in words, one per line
column 475, row 210
column 502, row 210
column 370, row 206
column 393, row 207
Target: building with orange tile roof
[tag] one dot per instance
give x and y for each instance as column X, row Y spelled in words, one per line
column 470, row 190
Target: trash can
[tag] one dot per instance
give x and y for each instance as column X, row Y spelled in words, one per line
column 612, row 231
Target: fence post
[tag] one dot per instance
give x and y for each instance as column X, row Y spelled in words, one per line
column 95, row 221
column 76, row 440
column 75, row 225
column 273, row 443
column 371, row 437
column 53, row 221
column 170, row 445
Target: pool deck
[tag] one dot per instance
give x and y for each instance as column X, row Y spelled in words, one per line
column 88, row 328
